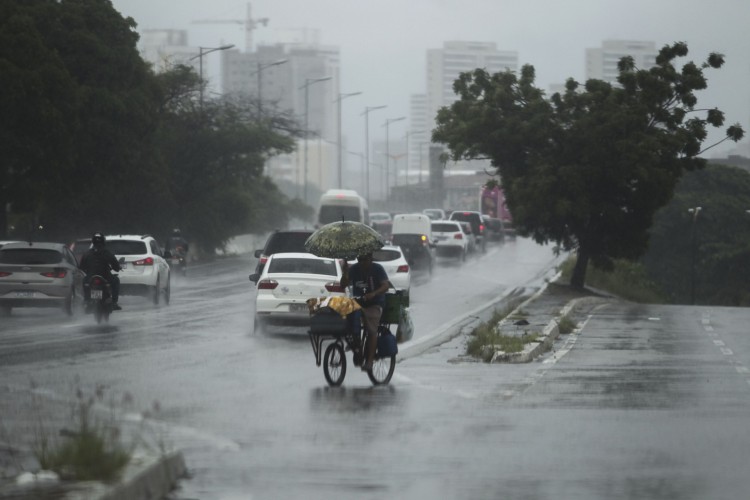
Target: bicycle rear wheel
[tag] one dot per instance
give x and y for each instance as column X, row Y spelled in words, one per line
column 334, row 364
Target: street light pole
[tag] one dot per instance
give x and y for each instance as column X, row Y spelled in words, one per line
column 388, row 153
column 306, row 86
column 201, row 52
column 694, row 211
column 261, row 67
column 340, row 146
column 367, row 147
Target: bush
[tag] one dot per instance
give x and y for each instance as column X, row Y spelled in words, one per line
column 628, row 280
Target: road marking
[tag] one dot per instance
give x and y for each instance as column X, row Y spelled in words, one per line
column 726, row 352
column 719, row 343
column 742, row 369
column 709, row 328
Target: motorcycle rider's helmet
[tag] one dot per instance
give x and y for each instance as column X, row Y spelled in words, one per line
column 97, row 239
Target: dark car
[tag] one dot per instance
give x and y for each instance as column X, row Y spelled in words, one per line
column 281, row 242
column 494, row 228
column 477, row 225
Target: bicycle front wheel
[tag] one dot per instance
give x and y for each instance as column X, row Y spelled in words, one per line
column 334, row 364
column 382, row 370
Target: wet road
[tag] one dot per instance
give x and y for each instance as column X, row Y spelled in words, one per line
column 647, row 402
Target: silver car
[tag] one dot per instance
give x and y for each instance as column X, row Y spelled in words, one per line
column 38, row 275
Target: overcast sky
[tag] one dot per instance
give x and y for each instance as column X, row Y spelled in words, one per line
column 383, row 42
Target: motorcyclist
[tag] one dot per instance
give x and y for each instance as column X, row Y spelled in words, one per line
column 177, row 244
column 98, row 260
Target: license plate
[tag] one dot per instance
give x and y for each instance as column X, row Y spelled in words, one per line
column 24, row 295
column 295, row 308
column 96, row 294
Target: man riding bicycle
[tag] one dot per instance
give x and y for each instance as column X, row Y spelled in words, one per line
column 369, row 282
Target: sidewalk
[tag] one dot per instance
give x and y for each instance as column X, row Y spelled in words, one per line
column 152, row 475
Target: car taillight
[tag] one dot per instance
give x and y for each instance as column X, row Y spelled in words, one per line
column 458, row 236
column 334, row 286
column 3, row 274
column 481, row 228
column 57, row 273
column 267, row 284
column 148, row 261
column 263, row 259
column 403, row 269
column 97, row 281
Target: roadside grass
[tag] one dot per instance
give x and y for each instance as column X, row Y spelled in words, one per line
column 486, row 338
column 566, row 325
column 628, row 280
column 91, row 446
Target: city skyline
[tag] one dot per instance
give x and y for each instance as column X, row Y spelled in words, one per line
column 384, row 45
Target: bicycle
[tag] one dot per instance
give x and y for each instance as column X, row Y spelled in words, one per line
column 334, row 330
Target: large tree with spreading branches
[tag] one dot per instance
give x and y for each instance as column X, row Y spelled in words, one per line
column 587, row 168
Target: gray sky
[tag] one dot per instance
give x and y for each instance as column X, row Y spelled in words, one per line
column 383, row 42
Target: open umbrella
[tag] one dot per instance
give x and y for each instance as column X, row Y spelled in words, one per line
column 344, row 240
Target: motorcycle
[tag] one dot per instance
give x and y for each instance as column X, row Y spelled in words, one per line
column 100, row 298
column 178, row 260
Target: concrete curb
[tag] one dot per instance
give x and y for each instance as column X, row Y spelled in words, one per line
column 146, row 477
column 549, row 334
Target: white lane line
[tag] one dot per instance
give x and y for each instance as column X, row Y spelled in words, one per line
column 742, row 369
column 719, row 343
column 726, row 352
column 709, row 328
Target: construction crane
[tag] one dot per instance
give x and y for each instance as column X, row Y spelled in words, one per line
column 249, row 23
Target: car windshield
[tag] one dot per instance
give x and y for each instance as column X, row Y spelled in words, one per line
column 385, row 255
column 303, row 266
column 334, row 213
column 127, row 247
column 287, row 242
column 29, row 256
column 444, row 227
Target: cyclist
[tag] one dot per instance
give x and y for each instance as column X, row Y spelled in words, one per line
column 369, row 282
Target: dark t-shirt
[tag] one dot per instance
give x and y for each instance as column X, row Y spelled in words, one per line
column 362, row 284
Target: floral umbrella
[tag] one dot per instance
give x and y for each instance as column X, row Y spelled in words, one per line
column 344, row 240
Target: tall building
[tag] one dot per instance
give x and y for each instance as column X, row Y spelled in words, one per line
column 601, row 63
column 420, row 130
column 443, row 68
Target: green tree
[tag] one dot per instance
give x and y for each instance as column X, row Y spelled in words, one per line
column 215, row 154
column 586, row 169
column 79, row 117
column 707, row 256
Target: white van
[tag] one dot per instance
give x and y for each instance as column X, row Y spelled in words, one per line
column 413, row 233
column 342, row 204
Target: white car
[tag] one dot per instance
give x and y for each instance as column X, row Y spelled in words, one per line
column 450, row 239
column 288, row 280
column 145, row 271
column 380, row 217
column 394, row 262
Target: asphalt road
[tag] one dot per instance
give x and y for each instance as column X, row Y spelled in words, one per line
column 643, row 402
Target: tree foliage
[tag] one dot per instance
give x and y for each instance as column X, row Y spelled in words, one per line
column 92, row 140
column 708, row 254
column 588, row 168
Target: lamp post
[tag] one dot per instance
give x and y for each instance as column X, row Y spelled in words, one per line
column 306, row 86
column 362, row 167
column 341, row 97
column 202, row 51
column 387, row 154
column 694, row 212
column 262, row 67
column 367, row 147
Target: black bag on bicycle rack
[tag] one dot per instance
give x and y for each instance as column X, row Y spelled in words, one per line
column 327, row 321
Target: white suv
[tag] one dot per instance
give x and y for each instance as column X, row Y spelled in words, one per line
column 450, row 239
column 144, row 272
